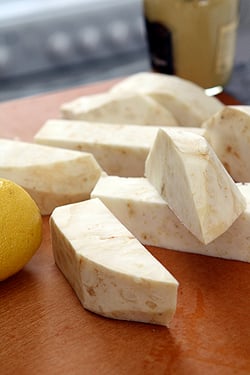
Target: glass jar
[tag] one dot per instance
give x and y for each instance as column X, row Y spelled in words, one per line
column 194, row 39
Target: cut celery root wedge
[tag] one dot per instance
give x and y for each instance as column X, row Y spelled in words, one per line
column 185, row 100
column 228, row 132
column 121, row 108
column 137, row 204
column 52, row 176
column 124, row 153
column 120, row 150
column 110, row 271
column 187, row 173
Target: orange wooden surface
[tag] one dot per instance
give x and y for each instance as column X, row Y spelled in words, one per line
column 45, row 330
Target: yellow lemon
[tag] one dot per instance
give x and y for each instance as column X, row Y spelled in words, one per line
column 20, row 228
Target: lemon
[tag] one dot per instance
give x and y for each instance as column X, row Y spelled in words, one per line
column 20, row 228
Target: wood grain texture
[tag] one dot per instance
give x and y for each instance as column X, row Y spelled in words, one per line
column 45, row 330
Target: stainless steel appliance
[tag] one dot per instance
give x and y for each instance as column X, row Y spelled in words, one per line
column 54, row 44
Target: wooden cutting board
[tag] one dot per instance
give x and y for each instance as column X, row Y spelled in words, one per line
column 45, row 330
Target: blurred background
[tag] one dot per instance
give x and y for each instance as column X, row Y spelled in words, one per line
column 57, row 44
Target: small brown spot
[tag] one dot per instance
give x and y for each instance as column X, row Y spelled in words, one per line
column 230, row 150
column 79, row 147
column 151, row 305
column 131, row 211
column 91, row 291
column 226, row 165
column 163, row 188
